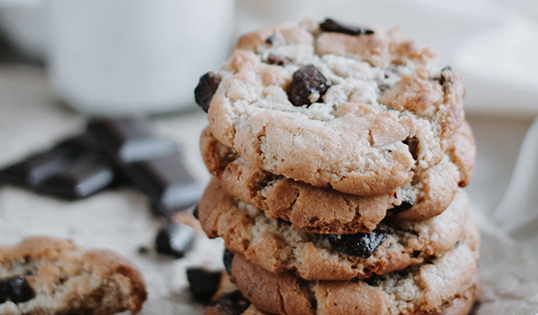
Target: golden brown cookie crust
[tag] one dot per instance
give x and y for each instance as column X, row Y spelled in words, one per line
column 275, row 246
column 434, row 288
column 353, row 141
column 461, row 305
column 70, row 279
column 323, row 210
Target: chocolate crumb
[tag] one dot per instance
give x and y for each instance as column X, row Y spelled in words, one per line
column 442, row 78
column 271, row 39
column 233, row 303
column 330, row 25
column 272, row 60
column 412, row 143
column 404, row 206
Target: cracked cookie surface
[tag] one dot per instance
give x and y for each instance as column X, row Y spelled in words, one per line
column 275, row 246
column 460, row 305
column 67, row 279
column 424, row 289
column 384, row 92
column 323, row 210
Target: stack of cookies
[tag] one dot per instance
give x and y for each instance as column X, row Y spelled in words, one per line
column 338, row 154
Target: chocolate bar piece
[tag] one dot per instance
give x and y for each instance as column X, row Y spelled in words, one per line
column 39, row 167
column 85, row 176
column 129, row 139
column 174, row 239
column 167, row 182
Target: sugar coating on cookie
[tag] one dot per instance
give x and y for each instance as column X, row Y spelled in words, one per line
column 385, row 93
column 67, row 279
column 275, row 246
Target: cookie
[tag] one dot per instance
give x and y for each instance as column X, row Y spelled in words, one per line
column 425, row 289
column 323, row 210
column 459, row 306
column 277, row 247
column 59, row 277
column 358, row 113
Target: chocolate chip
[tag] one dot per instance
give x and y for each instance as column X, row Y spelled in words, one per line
column 271, row 39
column 227, row 259
column 15, row 289
column 404, row 206
column 330, row 25
column 174, row 239
column 442, row 78
column 195, row 213
column 142, row 250
column 203, row 284
column 412, row 143
column 233, row 303
column 272, row 60
column 205, row 90
column 360, row 244
column 308, row 86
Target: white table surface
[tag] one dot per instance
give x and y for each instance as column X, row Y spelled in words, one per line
column 119, row 219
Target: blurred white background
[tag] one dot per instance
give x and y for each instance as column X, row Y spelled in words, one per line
column 142, row 55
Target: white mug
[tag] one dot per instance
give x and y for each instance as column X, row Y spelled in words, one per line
column 116, row 57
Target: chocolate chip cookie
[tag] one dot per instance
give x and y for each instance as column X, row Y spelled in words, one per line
column 44, row 275
column 277, row 247
column 324, row 210
column 459, row 306
column 447, row 285
column 361, row 112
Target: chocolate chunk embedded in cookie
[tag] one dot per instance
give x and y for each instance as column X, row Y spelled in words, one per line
column 45, row 275
column 277, row 247
column 366, row 133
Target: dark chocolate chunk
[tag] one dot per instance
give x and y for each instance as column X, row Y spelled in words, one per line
column 307, row 82
column 412, row 143
column 442, row 78
column 330, row 25
column 272, row 60
column 167, row 182
column 233, row 303
column 195, row 213
column 174, row 239
column 142, row 250
column 205, row 90
column 130, row 139
column 404, row 206
column 271, row 39
column 227, row 258
column 83, row 177
column 15, row 289
column 203, row 284
column 360, row 244
column 38, row 167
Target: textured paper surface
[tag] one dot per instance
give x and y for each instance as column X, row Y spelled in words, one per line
column 119, row 219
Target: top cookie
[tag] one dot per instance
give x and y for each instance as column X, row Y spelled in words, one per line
column 360, row 113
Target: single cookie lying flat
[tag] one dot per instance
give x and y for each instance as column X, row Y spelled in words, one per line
column 359, row 113
column 459, row 306
column 323, row 210
column 59, row 277
column 275, row 246
column 426, row 289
